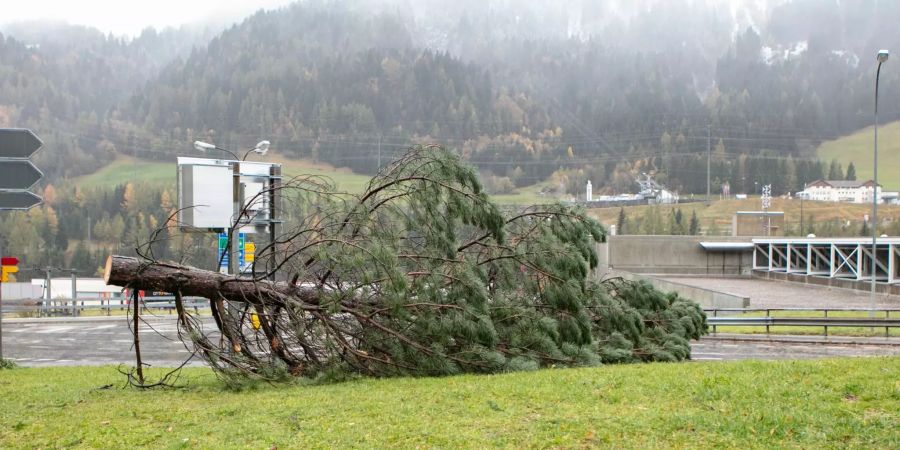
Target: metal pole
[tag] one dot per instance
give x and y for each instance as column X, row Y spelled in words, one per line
column 237, row 203
column 708, row 156
column 274, row 197
column 74, row 294
column 47, row 295
column 875, row 201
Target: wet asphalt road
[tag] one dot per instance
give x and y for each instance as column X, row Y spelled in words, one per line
column 103, row 341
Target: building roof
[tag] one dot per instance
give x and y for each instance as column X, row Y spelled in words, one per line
column 853, row 184
column 727, row 246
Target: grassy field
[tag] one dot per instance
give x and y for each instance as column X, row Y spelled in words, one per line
column 127, row 169
column 721, row 212
column 839, row 403
column 858, row 147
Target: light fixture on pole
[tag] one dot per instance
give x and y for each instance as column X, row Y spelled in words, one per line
column 882, row 57
column 205, row 147
column 260, row 149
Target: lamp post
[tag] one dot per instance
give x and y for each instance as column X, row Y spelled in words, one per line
column 882, row 57
column 260, row 149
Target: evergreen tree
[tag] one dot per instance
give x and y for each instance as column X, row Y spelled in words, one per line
column 620, row 223
column 695, row 224
column 671, row 228
column 835, row 172
column 652, row 222
column 82, row 259
column 851, row 172
column 677, row 225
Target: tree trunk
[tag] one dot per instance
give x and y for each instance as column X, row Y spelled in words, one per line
column 136, row 274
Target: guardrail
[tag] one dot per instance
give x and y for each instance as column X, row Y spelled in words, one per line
column 69, row 307
column 715, row 320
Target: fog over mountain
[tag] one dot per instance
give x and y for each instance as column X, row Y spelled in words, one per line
column 525, row 89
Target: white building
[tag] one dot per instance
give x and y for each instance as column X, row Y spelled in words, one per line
column 840, row 191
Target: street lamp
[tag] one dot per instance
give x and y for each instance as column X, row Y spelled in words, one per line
column 260, row 149
column 882, row 57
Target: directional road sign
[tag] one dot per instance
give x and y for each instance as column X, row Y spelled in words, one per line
column 18, row 200
column 18, row 143
column 18, row 174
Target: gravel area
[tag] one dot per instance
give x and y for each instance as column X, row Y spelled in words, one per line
column 785, row 294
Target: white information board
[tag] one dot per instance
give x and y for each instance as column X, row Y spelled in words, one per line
column 205, row 193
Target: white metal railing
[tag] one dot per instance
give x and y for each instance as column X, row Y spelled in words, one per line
column 847, row 258
column 788, row 317
column 70, row 307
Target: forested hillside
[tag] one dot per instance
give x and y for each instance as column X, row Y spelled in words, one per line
column 528, row 91
column 64, row 82
column 523, row 89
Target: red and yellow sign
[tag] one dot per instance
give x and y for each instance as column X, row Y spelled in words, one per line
column 10, row 265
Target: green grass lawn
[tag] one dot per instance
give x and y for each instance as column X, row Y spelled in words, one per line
column 858, row 148
column 837, row 403
column 126, row 169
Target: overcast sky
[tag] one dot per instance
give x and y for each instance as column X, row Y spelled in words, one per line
column 129, row 17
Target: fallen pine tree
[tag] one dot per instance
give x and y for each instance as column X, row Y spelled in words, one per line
column 421, row 274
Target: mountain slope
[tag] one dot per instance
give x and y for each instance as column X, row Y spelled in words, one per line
column 858, row 148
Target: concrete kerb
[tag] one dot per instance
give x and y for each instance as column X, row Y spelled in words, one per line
column 802, row 339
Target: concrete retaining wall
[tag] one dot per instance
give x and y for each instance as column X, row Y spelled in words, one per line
column 673, row 255
column 707, row 298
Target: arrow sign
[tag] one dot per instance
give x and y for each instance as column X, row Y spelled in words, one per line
column 18, row 143
column 18, row 200
column 18, row 174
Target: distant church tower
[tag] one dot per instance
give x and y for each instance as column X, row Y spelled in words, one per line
column 589, row 195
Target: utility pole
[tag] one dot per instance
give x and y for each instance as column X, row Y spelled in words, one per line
column 74, row 293
column 882, row 57
column 274, row 219
column 379, row 152
column 234, row 233
column 708, row 157
column 47, row 285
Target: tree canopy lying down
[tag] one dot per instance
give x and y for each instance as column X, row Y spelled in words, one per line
column 421, row 274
